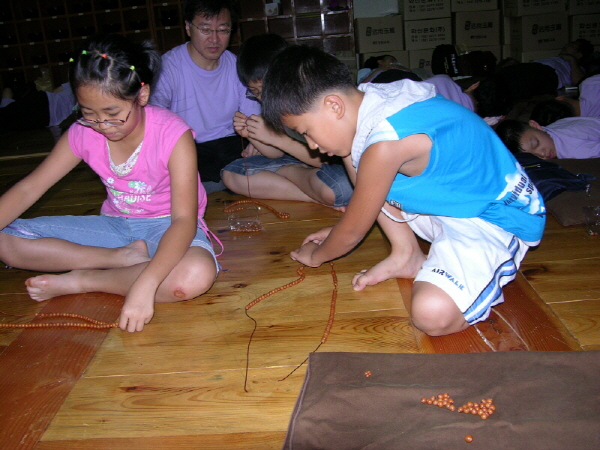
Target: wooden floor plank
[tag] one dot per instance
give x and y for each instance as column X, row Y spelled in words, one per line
column 42, row 365
column 235, row 441
column 179, row 404
column 582, row 318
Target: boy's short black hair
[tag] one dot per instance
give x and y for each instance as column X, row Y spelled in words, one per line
column 549, row 111
column 256, row 54
column 297, row 77
column 510, row 132
column 209, row 9
column 585, row 47
column 491, row 98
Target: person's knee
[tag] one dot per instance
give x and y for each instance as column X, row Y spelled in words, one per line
column 191, row 282
column 7, row 249
column 435, row 313
column 231, row 180
column 321, row 192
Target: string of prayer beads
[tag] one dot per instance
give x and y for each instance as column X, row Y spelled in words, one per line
column 302, row 276
column 91, row 323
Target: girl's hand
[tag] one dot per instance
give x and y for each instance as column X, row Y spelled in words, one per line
column 304, row 254
column 137, row 310
column 239, row 124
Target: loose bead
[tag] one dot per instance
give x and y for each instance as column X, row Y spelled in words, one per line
column 469, row 438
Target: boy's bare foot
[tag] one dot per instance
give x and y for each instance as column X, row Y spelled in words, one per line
column 390, row 267
column 45, row 287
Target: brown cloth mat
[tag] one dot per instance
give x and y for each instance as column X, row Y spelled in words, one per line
column 544, row 401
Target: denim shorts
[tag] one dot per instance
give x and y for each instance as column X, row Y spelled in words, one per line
column 101, row 231
column 333, row 175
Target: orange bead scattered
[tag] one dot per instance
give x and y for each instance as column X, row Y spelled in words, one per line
column 368, row 373
column 484, row 409
column 468, row 438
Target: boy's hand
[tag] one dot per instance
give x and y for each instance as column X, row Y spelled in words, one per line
column 318, row 237
column 239, row 124
column 304, row 254
column 309, row 245
column 137, row 311
column 258, row 129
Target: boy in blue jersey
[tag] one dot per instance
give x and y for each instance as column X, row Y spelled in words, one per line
column 424, row 166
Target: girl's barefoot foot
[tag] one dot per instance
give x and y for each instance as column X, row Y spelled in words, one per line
column 45, row 287
column 390, row 267
column 135, row 253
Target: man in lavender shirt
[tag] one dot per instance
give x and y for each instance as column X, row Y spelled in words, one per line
column 199, row 82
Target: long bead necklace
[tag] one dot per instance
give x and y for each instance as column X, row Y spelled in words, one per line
column 91, row 323
column 326, row 332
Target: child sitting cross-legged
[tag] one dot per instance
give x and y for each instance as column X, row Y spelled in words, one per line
column 281, row 167
column 150, row 242
column 425, row 166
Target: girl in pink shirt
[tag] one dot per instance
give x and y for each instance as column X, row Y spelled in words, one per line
column 149, row 242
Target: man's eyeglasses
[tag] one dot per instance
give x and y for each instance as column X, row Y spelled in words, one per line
column 107, row 122
column 207, row 31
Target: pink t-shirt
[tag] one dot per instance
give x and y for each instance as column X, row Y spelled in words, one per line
column 146, row 190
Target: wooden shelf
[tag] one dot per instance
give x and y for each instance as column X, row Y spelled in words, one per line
column 38, row 34
column 303, row 22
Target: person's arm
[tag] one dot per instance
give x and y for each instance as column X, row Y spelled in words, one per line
column 379, row 165
column 162, row 90
column 273, row 144
column 138, row 308
column 27, row 191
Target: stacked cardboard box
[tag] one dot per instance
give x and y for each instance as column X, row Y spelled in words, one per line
column 521, row 29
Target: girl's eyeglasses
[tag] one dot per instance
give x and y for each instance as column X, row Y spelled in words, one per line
column 107, row 122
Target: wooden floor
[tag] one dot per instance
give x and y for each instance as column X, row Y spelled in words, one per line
column 180, row 383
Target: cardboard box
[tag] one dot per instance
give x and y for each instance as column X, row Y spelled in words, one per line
column 586, row 26
column 473, row 5
column 420, row 59
column 375, row 8
column 424, row 9
column 477, row 28
column 422, row 34
column 517, row 8
column 379, row 34
column 400, row 55
column 539, row 32
column 583, row 7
